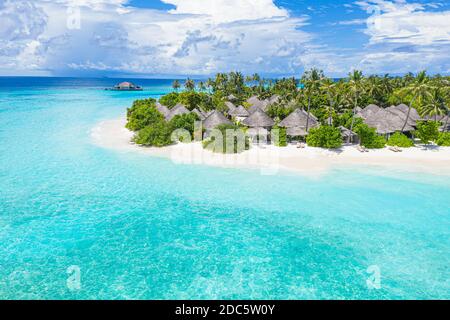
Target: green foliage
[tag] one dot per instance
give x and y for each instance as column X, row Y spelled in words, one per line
column 191, row 99
column 279, row 111
column 444, row 139
column 325, row 137
column 156, row 135
column 170, row 100
column 279, row 137
column 221, row 145
column 185, row 121
column 143, row 113
column 427, row 131
column 369, row 138
column 400, row 140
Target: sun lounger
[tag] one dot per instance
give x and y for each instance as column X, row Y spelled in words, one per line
column 395, row 149
column 361, row 149
column 301, row 146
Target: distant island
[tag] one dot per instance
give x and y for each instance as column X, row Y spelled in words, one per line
column 368, row 112
column 126, row 86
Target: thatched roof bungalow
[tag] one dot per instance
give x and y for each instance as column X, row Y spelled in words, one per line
column 389, row 120
column 162, row 109
column 240, row 113
column 256, row 103
column 231, row 107
column 179, row 109
column 200, row 114
column 298, row 119
column 368, row 111
column 214, row 120
column 259, row 119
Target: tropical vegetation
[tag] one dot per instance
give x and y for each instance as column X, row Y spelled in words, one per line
column 400, row 140
column 334, row 102
column 325, row 137
column 226, row 139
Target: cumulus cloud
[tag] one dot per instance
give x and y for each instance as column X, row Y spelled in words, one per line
column 402, row 22
column 405, row 36
column 228, row 10
column 201, row 37
column 197, row 37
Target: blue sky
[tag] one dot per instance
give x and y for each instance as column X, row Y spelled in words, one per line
column 153, row 38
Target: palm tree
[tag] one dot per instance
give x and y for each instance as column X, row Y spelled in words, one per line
column 419, row 88
column 436, row 104
column 201, row 86
column 189, row 85
column 355, row 84
column 329, row 87
column 176, row 85
column 210, row 84
column 311, row 79
column 374, row 88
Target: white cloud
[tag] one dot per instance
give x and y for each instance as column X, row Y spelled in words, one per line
column 198, row 37
column 208, row 36
column 403, row 22
column 228, row 10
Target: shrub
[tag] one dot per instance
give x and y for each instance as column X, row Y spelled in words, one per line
column 369, row 138
column 221, row 145
column 156, row 135
column 400, row 140
column 444, row 139
column 427, row 131
column 143, row 113
column 170, row 100
column 185, row 121
column 325, row 137
column 279, row 137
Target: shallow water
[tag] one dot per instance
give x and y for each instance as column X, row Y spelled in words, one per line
column 145, row 228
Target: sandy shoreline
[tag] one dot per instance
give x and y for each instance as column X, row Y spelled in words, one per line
column 112, row 134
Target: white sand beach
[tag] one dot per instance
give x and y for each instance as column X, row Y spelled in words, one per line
column 113, row 135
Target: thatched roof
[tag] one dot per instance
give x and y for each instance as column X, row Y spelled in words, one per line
column 215, row 119
column 239, row 112
column 256, row 103
column 162, row 109
column 388, row 122
column 402, row 111
column 200, row 114
column 298, row 118
column 442, row 119
column 412, row 115
column 179, row 109
column 231, row 107
column 369, row 111
column 252, row 100
column 274, row 99
column 259, row 119
column 347, row 133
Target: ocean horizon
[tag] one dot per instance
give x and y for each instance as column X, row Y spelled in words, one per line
column 139, row 227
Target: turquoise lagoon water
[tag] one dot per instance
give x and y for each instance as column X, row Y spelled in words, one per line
column 144, row 228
